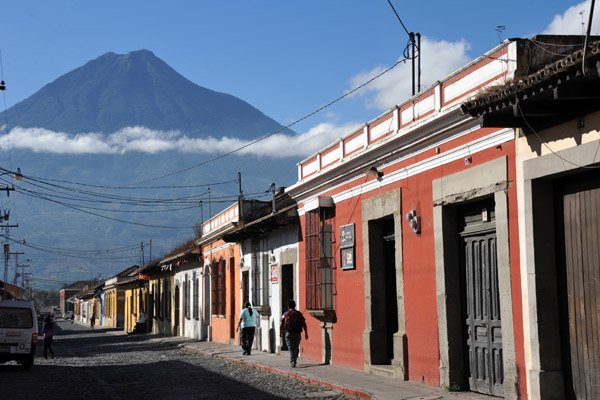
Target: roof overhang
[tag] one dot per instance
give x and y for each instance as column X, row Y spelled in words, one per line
column 559, row 92
column 279, row 219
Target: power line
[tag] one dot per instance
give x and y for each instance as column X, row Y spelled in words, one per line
column 402, row 23
column 272, row 133
column 106, row 217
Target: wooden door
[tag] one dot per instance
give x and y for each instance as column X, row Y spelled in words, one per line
column 245, row 287
column 579, row 286
column 483, row 331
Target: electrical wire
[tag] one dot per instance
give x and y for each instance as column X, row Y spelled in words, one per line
column 538, row 44
column 121, row 187
column 555, row 153
column 78, row 208
column 260, row 139
column 402, row 23
column 78, row 251
column 251, row 143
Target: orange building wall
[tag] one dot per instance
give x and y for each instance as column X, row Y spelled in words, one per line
column 223, row 326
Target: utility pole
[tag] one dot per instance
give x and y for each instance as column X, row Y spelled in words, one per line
column 23, row 266
column 16, row 253
column 27, row 290
column 209, row 212
column 6, row 245
column 22, row 275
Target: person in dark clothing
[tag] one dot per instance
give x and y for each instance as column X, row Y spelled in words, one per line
column 292, row 323
column 48, row 332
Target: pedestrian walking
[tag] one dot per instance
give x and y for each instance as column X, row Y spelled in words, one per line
column 247, row 320
column 292, row 323
column 140, row 326
column 48, row 332
column 93, row 320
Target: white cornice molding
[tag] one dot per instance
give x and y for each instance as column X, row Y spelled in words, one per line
column 492, row 140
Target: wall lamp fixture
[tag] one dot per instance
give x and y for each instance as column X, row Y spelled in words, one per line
column 414, row 221
column 374, row 172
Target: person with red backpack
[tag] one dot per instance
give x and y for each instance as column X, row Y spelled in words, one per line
column 292, row 323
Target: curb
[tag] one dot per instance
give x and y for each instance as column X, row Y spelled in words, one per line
column 346, row 390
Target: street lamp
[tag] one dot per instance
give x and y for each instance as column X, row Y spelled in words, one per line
column 17, row 176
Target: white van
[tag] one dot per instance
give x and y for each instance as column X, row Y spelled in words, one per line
column 18, row 332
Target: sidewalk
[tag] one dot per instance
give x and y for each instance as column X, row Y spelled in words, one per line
column 350, row 381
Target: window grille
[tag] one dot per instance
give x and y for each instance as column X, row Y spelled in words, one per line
column 319, row 259
column 218, row 287
column 260, row 272
column 158, row 301
column 214, row 288
column 222, row 287
column 195, row 303
column 168, row 302
column 186, row 296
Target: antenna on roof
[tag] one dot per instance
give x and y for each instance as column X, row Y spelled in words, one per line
column 499, row 29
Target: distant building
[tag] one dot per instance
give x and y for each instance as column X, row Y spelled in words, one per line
column 68, row 292
column 12, row 291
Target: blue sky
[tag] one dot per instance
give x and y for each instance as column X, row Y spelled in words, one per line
column 285, row 58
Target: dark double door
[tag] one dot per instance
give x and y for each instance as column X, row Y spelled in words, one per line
column 481, row 304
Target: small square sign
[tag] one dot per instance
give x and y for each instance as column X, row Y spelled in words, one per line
column 274, row 273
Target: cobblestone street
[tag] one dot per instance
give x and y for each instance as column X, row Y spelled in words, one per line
column 95, row 364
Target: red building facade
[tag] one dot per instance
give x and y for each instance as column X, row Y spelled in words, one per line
column 409, row 263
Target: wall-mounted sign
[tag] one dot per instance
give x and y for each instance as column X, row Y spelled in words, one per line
column 348, row 258
column 347, row 235
column 274, row 273
column 347, row 247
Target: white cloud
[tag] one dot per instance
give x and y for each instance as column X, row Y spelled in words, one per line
column 439, row 59
column 569, row 23
column 143, row 140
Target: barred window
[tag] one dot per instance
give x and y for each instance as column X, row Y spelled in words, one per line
column 222, row 287
column 169, row 305
column 186, row 296
column 218, row 287
column 166, row 299
column 260, row 273
column 319, row 259
column 158, row 300
column 195, row 302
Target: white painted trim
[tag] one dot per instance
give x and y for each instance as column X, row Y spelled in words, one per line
column 214, row 250
column 355, row 143
column 382, row 128
column 407, row 115
column 437, row 93
column 476, row 78
column 309, row 168
column 491, row 140
column 331, row 157
column 424, row 106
